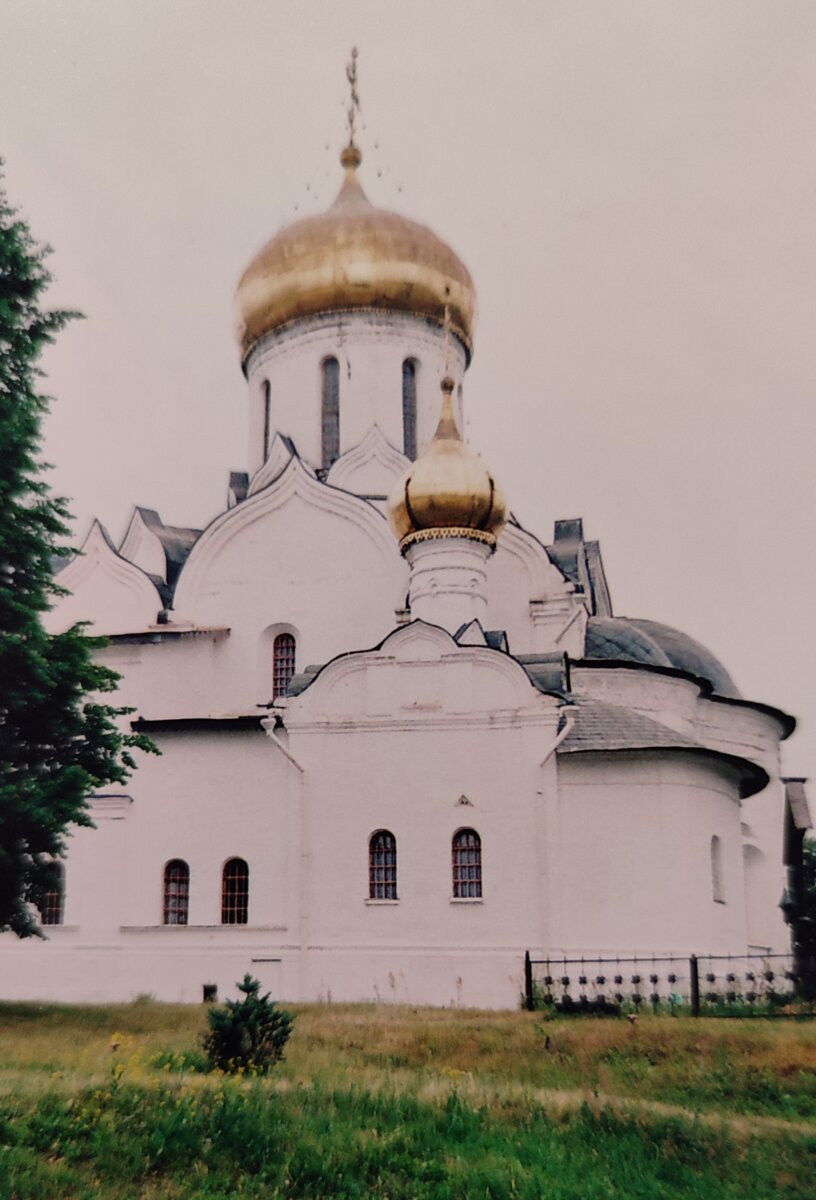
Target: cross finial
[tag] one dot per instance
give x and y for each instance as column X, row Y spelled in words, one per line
column 447, row 329
column 354, row 99
column 350, row 155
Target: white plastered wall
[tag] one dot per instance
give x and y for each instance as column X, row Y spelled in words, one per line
column 632, row 871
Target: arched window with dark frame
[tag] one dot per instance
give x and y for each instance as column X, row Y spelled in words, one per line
column 409, row 408
column 330, row 411
column 176, row 902
column 382, row 866
column 467, row 865
column 267, row 417
column 283, row 663
column 53, row 901
column 235, row 892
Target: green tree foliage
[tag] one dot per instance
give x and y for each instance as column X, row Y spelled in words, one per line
column 58, row 740
column 249, row 1034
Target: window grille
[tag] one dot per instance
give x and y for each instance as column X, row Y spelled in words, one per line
column 467, row 865
column 382, row 866
column 330, row 411
column 409, row 408
column 176, row 892
column 53, row 902
column 283, row 663
column 235, row 893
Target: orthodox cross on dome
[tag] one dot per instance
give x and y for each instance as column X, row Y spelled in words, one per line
column 446, row 326
column 351, row 156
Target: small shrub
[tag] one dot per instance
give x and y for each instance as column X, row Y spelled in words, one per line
column 180, row 1061
column 249, row 1034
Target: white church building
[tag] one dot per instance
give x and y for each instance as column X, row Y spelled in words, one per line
column 403, row 740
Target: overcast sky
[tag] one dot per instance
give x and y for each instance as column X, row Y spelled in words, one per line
column 632, row 185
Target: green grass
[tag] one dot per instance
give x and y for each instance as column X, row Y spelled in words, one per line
column 392, row 1102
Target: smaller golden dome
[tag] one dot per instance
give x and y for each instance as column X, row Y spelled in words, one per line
column 448, row 491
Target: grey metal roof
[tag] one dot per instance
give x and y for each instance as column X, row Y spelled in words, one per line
column 630, row 639
column 602, row 726
column 608, row 728
column 615, row 637
column 548, row 672
column 177, row 541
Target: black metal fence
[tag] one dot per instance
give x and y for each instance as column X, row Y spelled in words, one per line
column 716, row 985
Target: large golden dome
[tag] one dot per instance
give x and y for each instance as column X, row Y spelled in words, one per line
column 353, row 256
column 448, row 491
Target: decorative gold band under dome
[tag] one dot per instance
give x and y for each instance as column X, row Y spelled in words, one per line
column 451, row 531
column 353, row 257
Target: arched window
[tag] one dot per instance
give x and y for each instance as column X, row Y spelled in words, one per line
column 717, row 889
column 330, row 411
column 382, row 866
column 409, row 408
column 467, row 865
column 53, row 901
column 176, row 892
column 235, row 893
column 267, row 417
column 283, row 663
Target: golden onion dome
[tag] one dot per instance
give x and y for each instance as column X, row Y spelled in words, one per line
column 353, row 256
column 448, row 491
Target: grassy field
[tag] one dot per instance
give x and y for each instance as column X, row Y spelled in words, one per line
column 392, row 1102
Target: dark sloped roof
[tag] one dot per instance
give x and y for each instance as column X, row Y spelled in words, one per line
column 548, row 672
column 615, row 637
column 602, row 726
column 177, row 541
column 634, row 640
column 608, row 728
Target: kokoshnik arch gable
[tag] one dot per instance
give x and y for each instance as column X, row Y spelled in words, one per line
column 402, row 740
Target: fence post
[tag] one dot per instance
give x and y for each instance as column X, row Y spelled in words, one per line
column 694, row 981
column 528, row 982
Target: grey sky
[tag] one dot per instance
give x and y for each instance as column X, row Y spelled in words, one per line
column 632, row 184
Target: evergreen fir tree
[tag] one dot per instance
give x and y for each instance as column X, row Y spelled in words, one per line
column 249, row 1034
column 58, row 740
